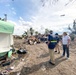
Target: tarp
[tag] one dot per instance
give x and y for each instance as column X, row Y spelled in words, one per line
column 6, row 27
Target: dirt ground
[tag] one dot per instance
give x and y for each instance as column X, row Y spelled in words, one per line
column 35, row 62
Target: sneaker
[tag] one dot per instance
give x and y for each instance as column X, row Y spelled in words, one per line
column 67, row 58
column 52, row 63
column 55, row 51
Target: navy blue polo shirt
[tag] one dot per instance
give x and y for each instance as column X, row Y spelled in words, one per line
column 52, row 44
column 57, row 38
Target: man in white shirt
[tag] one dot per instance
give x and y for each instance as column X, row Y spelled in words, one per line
column 65, row 42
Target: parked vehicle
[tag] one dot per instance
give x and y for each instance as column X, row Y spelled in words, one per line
column 6, row 38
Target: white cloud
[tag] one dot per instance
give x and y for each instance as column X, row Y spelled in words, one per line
column 21, row 18
column 12, row 8
column 8, row 5
column 48, row 16
column 24, row 23
column 14, row 12
column 19, row 28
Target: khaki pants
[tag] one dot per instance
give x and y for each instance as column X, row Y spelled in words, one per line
column 57, row 48
column 51, row 53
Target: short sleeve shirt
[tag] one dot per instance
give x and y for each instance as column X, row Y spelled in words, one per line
column 65, row 40
column 51, row 45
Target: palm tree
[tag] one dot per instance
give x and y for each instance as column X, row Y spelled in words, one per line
column 31, row 31
column 0, row 18
column 73, row 30
column 46, row 31
column 25, row 34
column 36, row 33
column 74, row 26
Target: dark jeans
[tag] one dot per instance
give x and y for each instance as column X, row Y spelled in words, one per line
column 65, row 50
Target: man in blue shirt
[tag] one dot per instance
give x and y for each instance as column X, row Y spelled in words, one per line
column 51, row 45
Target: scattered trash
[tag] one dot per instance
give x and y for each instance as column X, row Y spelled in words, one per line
column 9, row 69
column 1, row 74
column 18, row 73
column 2, row 61
column 9, row 53
column 35, row 42
column 4, row 73
column 21, row 51
column 26, row 70
column 43, row 68
column 23, row 59
column 12, row 68
column 3, row 57
column 6, row 63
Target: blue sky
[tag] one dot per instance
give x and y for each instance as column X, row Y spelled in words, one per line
column 39, row 14
column 15, row 9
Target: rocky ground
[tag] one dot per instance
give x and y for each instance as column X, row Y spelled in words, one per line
column 35, row 62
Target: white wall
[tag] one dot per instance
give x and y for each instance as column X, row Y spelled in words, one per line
column 5, row 40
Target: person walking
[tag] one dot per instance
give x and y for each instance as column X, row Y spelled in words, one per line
column 51, row 46
column 57, row 46
column 66, row 42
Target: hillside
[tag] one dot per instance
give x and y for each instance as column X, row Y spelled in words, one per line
column 36, row 62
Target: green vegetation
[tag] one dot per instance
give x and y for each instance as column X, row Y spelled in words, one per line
column 47, row 31
column 73, row 30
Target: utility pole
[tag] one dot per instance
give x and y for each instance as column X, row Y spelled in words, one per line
column 5, row 17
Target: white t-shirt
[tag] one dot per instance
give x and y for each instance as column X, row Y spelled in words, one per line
column 65, row 39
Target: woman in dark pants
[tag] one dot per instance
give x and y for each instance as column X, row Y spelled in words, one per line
column 65, row 43
column 65, row 50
